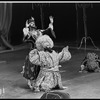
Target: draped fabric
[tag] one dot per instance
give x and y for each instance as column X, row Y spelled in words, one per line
column 5, row 23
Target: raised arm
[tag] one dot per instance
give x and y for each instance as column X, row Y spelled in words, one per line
column 50, row 28
column 26, row 31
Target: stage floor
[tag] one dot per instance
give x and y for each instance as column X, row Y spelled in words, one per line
column 80, row 85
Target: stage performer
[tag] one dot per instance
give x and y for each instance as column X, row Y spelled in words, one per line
column 91, row 63
column 48, row 59
column 31, row 33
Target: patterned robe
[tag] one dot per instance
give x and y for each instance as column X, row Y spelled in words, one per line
column 49, row 76
column 30, row 71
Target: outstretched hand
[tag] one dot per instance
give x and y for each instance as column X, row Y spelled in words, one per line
column 51, row 19
column 51, row 22
column 66, row 48
column 27, row 25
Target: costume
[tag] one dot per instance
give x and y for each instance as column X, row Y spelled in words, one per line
column 49, row 76
column 30, row 71
column 91, row 63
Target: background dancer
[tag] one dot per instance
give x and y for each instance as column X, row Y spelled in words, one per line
column 31, row 33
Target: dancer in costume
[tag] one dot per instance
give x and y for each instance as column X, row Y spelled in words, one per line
column 31, row 33
column 91, row 63
column 48, row 59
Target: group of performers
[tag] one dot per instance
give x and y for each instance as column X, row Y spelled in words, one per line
column 41, row 67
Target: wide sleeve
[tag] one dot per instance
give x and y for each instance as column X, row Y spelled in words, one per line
column 25, row 31
column 49, row 31
column 34, row 57
column 64, row 55
column 46, row 31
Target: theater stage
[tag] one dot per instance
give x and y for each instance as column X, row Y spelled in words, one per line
column 80, row 85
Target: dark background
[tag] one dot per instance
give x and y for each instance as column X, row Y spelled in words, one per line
column 65, row 21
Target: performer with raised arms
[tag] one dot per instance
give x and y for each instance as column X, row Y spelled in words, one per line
column 31, row 33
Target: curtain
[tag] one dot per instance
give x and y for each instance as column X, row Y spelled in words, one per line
column 5, row 23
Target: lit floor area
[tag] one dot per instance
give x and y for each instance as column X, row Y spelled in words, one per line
column 80, row 85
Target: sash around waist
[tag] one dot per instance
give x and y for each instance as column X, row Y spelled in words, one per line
column 56, row 68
